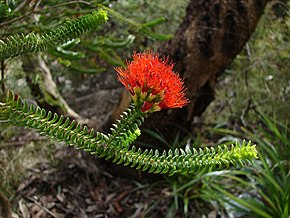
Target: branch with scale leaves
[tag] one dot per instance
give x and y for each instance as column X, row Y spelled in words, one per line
column 116, row 145
column 19, row 44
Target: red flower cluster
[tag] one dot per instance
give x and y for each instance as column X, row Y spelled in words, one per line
column 152, row 83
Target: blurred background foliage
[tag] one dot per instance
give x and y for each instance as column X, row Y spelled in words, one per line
column 252, row 98
column 129, row 29
column 259, row 77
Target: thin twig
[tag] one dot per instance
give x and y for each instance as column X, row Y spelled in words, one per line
column 2, row 76
column 39, row 205
column 39, row 10
column 22, row 5
column 22, row 142
column 15, row 19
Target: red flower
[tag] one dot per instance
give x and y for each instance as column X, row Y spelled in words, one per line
column 152, row 83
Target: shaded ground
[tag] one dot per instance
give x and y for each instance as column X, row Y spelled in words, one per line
column 81, row 186
column 77, row 184
column 95, row 97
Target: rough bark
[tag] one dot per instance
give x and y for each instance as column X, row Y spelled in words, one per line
column 209, row 38
column 5, row 208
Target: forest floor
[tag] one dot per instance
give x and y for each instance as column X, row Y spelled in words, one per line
column 80, row 185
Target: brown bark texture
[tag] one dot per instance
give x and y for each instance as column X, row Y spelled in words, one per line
column 209, row 38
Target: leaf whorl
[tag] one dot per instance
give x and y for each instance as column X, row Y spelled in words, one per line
column 19, row 44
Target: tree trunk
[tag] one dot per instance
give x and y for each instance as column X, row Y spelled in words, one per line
column 209, row 38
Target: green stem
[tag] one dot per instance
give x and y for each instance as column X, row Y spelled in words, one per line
column 116, row 144
column 129, row 124
column 124, row 133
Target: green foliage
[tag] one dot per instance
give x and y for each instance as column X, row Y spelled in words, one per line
column 258, row 190
column 254, row 92
column 116, row 145
column 142, row 28
column 19, row 44
column 30, row 27
column 162, row 16
column 4, row 11
column 263, row 189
